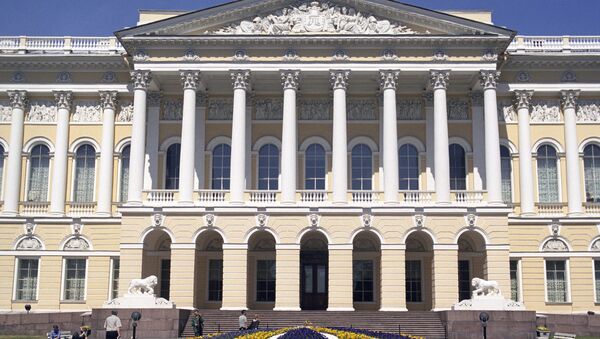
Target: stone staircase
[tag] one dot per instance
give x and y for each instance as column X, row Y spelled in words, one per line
column 426, row 324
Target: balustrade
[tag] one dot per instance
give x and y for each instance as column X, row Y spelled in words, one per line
column 60, row 44
column 211, row 196
column 550, row 208
column 82, row 208
column 160, row 196
column 592, row 208
column 313, row 196
column 416, row 197
column 554, row 44
column 364, row 196
column 34, row 207
column 468, row 197
column 262, row 197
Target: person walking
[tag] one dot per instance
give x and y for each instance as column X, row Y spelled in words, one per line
column 112, row 324
column 242, row 320
column 198, row 323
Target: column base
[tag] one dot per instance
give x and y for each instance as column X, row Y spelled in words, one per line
column 442, row 309
column 443, row 203
column 528, row 214
column 340, row 309
column 496, row 203
column 133, row 204
column 393, row 309
column 289, row 203
column 57, row 214
column 340, row 202
column 236, row 203
column 185, row 203
column 576, row 214
column 287, row 309
column 8, row 214
column 391, row 202
column 103, row 214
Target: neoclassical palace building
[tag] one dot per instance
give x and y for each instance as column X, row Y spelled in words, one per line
column 301, row 155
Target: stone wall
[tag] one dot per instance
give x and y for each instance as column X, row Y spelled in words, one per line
column 580, row 324
column 40, row 323
column 155, row 323
column 501, row 325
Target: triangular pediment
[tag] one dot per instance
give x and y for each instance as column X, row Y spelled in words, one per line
column 328, row 17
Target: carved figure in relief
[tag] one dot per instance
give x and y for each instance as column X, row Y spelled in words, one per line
column 126, row 113
column 555, row 245
column 409, row 109
column 315, row 110
column 143, row 286
column 87, row 112
column 172, row 110
column 483, row 287
column 42, row 111
column 545, row 111
column 587, row 111
column 5, row 112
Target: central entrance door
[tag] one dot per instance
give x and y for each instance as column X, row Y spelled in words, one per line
column 313, row 280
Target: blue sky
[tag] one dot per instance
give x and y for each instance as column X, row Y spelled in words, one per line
column 102, row 17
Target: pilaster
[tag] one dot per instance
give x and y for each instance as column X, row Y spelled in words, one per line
column 287, row 273
column 393, row 278
column 183, row 265
column 445, row 278
column 235, row 261
column 340, row 278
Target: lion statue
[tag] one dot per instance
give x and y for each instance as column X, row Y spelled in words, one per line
column 484, row 287
column 143, row 286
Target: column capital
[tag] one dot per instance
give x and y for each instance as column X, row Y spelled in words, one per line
column 388, row 78
column 154, row 98
column 63, row 99
column 108, row 99
column 489, row 78
column 523, row 98
column 477, row 98
column 240, row 79
column 339, row 78
column 439, row 79
column 290, row 79
column 190, row 79
column 141, row 79
column 18, row 99
column 568, row 99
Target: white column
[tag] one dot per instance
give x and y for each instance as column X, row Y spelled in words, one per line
column 249, row 104
column 569, row 103
column 152, row 133
column 478, row 141
column 390, row 135
column 200, row 135
column 429, row 141
column 439, row 83
column 492, row 137
column 140, row 80
column 289, row 140
column 339, row 82
column 58, row 189
column 108, row 101
column 190, row 81
column 238, row 136
column 523, row 101
column 12, row 190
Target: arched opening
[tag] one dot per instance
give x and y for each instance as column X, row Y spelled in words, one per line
column 314, row 271
column 419, row 272
column 261, row 271
column 156, row 260
column 208, row 278
column 471, row 262
column 366, row 271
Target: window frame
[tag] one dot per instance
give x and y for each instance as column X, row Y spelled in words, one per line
column 418, row 178
column 421, row 271
column 166, row 164
column 325, row 164
column 120, row 173
column 16, row 278
column 256, row 278
column 64, row 280
column 257, row 176
column 28, row 173
column 558, row 150
column 208, row 295
column 465, row 163
column 211, row 152
column 567, row 281
column 74, row 172
column 373, row 291
column 590, row 144
column 512, row 177
column 351, row 164
column 111, row 278
column 3, row 158
column 519, row 274
column 596, row 281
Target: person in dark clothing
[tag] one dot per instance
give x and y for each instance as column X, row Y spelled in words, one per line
column 254, row 323
column 197, row 323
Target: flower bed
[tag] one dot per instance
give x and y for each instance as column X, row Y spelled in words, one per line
column 308, row 332
column 371, row 334
column 303, row 332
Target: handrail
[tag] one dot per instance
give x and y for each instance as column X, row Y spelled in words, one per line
column 61, row 44
column 555, row 44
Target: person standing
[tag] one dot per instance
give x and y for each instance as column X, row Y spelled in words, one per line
column 242, row 320
column 112, row 324
column 254, row 323
column 198, row 323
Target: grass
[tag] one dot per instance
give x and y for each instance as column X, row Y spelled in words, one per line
column 22, row 337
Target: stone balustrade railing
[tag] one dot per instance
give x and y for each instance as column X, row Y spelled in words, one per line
column 66, row 45
column 555, row 44
column 551, row 208
column 34, row 207
column 81, row 208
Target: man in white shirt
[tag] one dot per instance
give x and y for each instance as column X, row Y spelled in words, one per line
column 112, row 324
column 242, row 320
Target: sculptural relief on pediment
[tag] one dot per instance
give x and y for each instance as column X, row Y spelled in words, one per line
column 506, row 111
column 5, row 111
column 87, row 111
column 587, row 111
column 545, row 111
column 315, row 18
column 42, row 111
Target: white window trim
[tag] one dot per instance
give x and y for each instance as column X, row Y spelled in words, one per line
column 208, row 259
column 63, row 281
column 256, row 175
column 210, row 153
column 558, row 170
column 255, row 279
column 28, row 173
column 16, row 274
column 120, row 167
column 418, row 146
column 567, row 280
column 74, row 170
column 468, row 153
column 168, row 143
column 520, row 278
column 374, row 153
column 110, row 278
column 596, row 301
column 303, row 183
column 422, row 269
column 510, row 148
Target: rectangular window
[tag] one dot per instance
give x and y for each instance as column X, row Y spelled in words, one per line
column 556, row 281
column 597, row 279
column 362, row 272
column 165, row 278
column 265, row 280
column 514, row 280
column 27, row 279
column 413, row 281
column 114, row 283
column 464, row 280
column 215, row 280
column 75, row 279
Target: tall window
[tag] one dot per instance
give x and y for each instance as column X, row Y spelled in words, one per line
column 458, row 168
column 506, row 169
column 464, row 280
column 362, row 272
column 413, row 281
column 408, row 158
column 362, row 168
column 27, row 279
column 556, row 281
column 1, row 168
column 265, row 280
column 39, row 171
column 124, row 187
column 597, row 279
column 215, row 280
column 114, row 283
column 268, row 168
column 221, row 167
column 172, row 173
column 74, row 284
column 591, row 164
column 514, row 280
column 314, row 167
column 547, row 174
column 165, row 278
column 85, row 169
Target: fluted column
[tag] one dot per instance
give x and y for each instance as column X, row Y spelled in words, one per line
column 390, row 135
column 108, row 102
column 240, row 80
column 140, row 80
column 478, row 128
column 289, row 140
column 439, row 83
column 190, row 81
column 339, row 82
column 522, row 103
column 429, row 141
column 12, row 190
column 152, row 143
column 59, row 167
column 569, row 103
column 492, row 137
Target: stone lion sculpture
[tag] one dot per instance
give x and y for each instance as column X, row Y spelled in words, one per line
column 143, row 286
column 485, row 287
